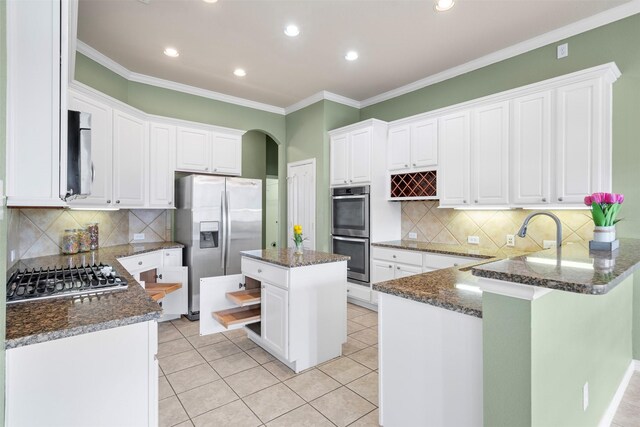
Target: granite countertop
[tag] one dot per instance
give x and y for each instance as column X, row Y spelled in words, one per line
column 49, row 319
column 288, row 258
column 472, row 251
column 440, row 288
column 571, row 268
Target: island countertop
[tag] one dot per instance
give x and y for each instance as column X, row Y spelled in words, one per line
column 571, row 268
column 49, row 319
column 286, row 257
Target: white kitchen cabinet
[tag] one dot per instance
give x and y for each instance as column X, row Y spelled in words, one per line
column 530, row 149
column 413, row 146
column 274, row 323
column 351, row 153
column 339, row 160
column 360, row 156
column 119, row 362
column 36, row 57
column 406, row 270
column 101, row 149
column 227, row 154
column 490, row 155
column 399, row 148
column 130, row 160
column 193, row 150
column 580, row 154
column 299, row 314
column 169, row 269
column 162, row 140
column 381, row 271
column 454, row 137
column 203, row 150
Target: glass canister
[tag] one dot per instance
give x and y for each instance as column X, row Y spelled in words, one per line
column 92, row 228
column 70, row 242
column 84, row 240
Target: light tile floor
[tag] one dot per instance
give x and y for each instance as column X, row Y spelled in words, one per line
column 226, row 380
column 628, row 414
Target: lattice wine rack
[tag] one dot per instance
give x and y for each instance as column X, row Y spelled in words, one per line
column 415, row 184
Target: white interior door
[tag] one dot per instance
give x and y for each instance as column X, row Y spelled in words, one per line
column 301, row 200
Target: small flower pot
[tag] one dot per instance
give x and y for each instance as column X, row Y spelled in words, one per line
column 299, row 248
column 604, row 234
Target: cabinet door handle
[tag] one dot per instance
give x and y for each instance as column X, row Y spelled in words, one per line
column 108, row 201
column 139, row 262
column 206, row 169
column 544, row 199
column 167, row 254
column 117, row 201
column 414, row 164
column 475, row 201
column 398, row 268
column 559, row 199
column 169, row 202
column 394, row 256
column 215, row 169
column 345, row 181
column 390, row 266
column 406, row 166
column 464, row 201
column 350, row 180
column 259, row 270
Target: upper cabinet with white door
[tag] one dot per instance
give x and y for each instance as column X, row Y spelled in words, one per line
column 413, row 145
column 353, row 153
column 162, row 146
column 203, row 149
column 130, row 160
column 36, row 113
column 454, row 135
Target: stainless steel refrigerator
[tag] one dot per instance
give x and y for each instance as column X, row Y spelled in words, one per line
column 216, row 218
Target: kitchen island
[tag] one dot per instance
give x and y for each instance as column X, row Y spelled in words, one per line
column 536, row 339
column 292, row 305
column 98, row 345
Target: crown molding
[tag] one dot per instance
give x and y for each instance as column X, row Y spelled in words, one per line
column 595, row 21
column 102, row 59
column 319, row 96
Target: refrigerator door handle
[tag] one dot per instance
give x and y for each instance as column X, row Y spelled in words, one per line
column 223, row 217
column 227, row 231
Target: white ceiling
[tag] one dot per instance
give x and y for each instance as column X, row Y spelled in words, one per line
column 399, row 41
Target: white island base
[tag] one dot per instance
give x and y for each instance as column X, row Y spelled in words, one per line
column 430, row 365
column 297, row 314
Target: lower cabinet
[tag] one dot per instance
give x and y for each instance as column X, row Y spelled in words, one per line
column 66, row 378
column 299, row 315
column 162, row 267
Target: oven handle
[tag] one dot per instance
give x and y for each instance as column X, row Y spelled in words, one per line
column 350, row 197
column 348, row 239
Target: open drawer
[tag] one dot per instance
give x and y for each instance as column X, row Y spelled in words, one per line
column 225, row 304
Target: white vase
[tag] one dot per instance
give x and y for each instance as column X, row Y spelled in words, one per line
column 604, row 234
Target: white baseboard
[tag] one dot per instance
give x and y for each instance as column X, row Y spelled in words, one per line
column 610, row 413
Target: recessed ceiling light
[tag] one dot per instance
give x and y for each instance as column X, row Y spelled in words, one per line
column 292, row 30
column 210, row 1
column 443, row 5
column 172, row 52
column 239, row 72
column 352, row 55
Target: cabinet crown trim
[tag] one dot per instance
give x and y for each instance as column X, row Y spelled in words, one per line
column 357, row 126
column 609, row 72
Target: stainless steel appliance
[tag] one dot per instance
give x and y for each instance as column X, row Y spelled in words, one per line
column 216, row 218
column 80, row 171
column 29, row 285
column 350, row 230
column 350, row 211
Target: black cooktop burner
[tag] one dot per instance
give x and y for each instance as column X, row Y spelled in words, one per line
column 54, row 282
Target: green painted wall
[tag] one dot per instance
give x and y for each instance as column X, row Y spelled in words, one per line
column 100, row 78
column 272, row 157
column 506, row 355
column 577, row 339
column 307, row 138
column 254, row 165
column 3, row 209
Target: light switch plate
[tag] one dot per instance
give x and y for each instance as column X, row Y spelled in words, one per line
column 413, row 235
column 473, row 240
column 138, row 236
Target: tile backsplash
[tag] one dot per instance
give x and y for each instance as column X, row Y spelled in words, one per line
column 432, row 224
column 38, row 231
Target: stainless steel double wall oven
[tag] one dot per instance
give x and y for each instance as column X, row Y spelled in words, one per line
column 350, row 230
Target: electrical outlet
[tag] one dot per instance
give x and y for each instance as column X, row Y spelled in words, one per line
column 473, row 240
column 138, row 236
column 413, row 235
column 563, row 50
column 548, row 244
column 13, row 255
column 511, row 240
column 585, row 396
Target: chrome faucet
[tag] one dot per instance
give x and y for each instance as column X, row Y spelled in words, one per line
column 523, row 230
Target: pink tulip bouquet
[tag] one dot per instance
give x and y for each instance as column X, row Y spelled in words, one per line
column 604, row 208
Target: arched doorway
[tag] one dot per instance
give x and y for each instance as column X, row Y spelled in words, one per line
column 260, row 160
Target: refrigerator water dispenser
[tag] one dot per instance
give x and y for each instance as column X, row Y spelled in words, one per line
column 209, row 234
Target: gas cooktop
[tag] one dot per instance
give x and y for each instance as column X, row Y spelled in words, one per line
column 35, row 284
